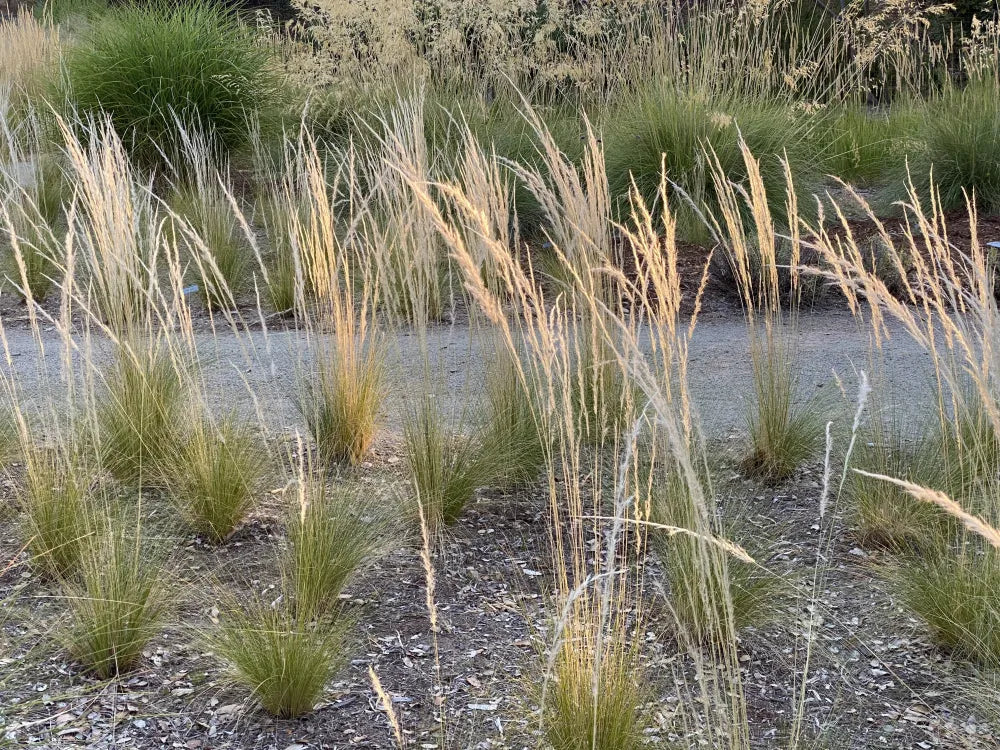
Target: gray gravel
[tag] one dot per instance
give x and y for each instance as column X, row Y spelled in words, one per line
column 255, row 372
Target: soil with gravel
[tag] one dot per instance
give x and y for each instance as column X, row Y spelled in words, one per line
column 875, row 680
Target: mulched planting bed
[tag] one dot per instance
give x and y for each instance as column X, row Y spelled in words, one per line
column 874, row 681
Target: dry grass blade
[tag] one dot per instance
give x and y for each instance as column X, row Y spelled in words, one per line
column 29, row 48
column 730, row 548
column 390, row 712
column 973, row 523
column 117, row 232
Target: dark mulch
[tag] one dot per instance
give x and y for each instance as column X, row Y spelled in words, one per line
column 875, row 680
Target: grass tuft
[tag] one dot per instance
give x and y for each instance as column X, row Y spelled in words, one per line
column 29, row 53
column 226, row 262
column 954, row 592
column 283, row 659
column 343, row 405
column 512, row 431
column 862, row 147
column 331, row 534
column 601, row 398
column 783, row 434
column 886, row 515
column 283, row 278
column 117, row 606
column 216, row 475
column 711, row 594
column 594, row 697
column 35, row 216
column 57, row 513
column 446, row 468
column 139, row 414
column 157, row 67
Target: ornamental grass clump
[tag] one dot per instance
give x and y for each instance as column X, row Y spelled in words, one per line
column 57, row 511
column 446, row 467
column 689, row 134
column 332, row 533
column 956, row 150
column 216, row 476
column 156, row 68
column 138, row 414
column 281, row 658
column 117, row 604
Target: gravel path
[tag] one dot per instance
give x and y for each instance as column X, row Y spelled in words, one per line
column 260, row 371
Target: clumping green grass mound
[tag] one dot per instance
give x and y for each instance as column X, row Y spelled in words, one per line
column 860, row 146
column 282, row 660
column 118, row 603
column 958, row 149
column 954, row 593
column 593, row 693
column 153, row 67
column 686, row 133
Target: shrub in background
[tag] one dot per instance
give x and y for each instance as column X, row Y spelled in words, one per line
column 958, row 142
column 153, row 66
column 684, row 131
column 72, row 14
column 860, row 146
column 502, row 129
